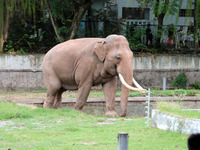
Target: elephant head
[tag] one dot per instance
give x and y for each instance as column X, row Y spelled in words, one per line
column 117, row 59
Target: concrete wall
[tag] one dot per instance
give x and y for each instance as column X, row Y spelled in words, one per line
column 23, row 72
column 167, row 121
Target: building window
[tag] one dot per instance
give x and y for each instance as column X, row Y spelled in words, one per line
column 186, row 13
column 135, row 13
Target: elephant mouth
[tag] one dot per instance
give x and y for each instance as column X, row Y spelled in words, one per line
column 139, row 88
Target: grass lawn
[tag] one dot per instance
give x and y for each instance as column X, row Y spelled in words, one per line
column 97, row 93
column 177, row 108
column 23, row 128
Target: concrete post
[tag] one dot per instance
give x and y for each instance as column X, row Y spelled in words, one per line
column 122, row 141
column 164, row 83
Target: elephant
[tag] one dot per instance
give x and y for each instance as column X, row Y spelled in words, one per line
column 79, row 64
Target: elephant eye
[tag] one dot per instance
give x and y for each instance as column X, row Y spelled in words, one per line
column 118, row 58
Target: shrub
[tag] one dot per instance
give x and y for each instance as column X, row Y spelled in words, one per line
column 180, row 82
column 195, row 85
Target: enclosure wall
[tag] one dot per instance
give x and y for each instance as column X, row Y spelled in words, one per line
column 23, row 72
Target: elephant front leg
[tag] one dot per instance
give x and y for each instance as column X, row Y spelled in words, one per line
column 82, row 96
column 110, row 89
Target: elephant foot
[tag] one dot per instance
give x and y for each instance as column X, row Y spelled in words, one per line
column 79, row 109
column 111, row 113
column 57, row 106
column 123, row 115
column 47, row 105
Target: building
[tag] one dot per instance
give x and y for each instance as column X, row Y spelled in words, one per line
column 130, row 12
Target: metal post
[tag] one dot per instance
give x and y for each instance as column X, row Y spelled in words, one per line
column 122, row 141
column 148, row 108
column 164, row 83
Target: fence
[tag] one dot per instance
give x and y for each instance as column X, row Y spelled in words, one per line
column 180, row 39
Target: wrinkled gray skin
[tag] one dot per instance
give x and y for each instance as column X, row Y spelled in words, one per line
column 83, row 63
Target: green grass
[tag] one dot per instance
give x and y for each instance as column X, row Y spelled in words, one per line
column 11, row 110
column 18, row 92
column 154, row 92
column 99, row 93
column 45, row 129
column 177, row 108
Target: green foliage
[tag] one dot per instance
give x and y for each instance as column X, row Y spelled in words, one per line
column 1, row 18
column 180, row 82
column 133, row 35
column 108, row 16
column 62, row 12
column 12, row 110
column 195, row 85
column 145, row 3
column 165, row 6
column 26, row 36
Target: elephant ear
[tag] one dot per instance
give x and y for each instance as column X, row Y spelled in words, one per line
column 100, row 51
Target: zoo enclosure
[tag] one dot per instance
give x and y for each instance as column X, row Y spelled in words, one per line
column 23, row 72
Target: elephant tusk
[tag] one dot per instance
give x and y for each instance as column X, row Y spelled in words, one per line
column 136, row 84
column 128, row 86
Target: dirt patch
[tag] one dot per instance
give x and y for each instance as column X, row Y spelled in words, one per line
column 111, row 121
column 4, row 123
column 23, row 96
column 89, row 143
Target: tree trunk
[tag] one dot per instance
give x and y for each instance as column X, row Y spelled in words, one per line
column 1, row 24
column 159, row 33
column 61, row 39
column 4, row 25
column 196, row 24
column 79, row 12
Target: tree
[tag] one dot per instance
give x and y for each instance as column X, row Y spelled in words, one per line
column 5, row 12
column 161, row 8
column 66, row 16
column 196, row 21
column 7, row 7
column 80, row 8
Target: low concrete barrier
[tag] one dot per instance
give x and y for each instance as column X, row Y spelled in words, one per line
column 166, row 121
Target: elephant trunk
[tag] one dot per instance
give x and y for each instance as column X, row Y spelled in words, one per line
column 125, row 94
column 127, row 80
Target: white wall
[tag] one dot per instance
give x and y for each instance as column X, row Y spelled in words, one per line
column 33, row 62
column 23, row 72
column 168, row 62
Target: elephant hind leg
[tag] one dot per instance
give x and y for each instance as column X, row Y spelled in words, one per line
column 58, row 99
column 53, row 87
column 48, row 103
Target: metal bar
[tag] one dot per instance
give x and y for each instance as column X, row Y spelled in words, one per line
column 122, row 141
column 148, row 107
column 164, row 83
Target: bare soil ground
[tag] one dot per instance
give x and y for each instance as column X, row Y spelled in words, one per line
column 22, row 96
